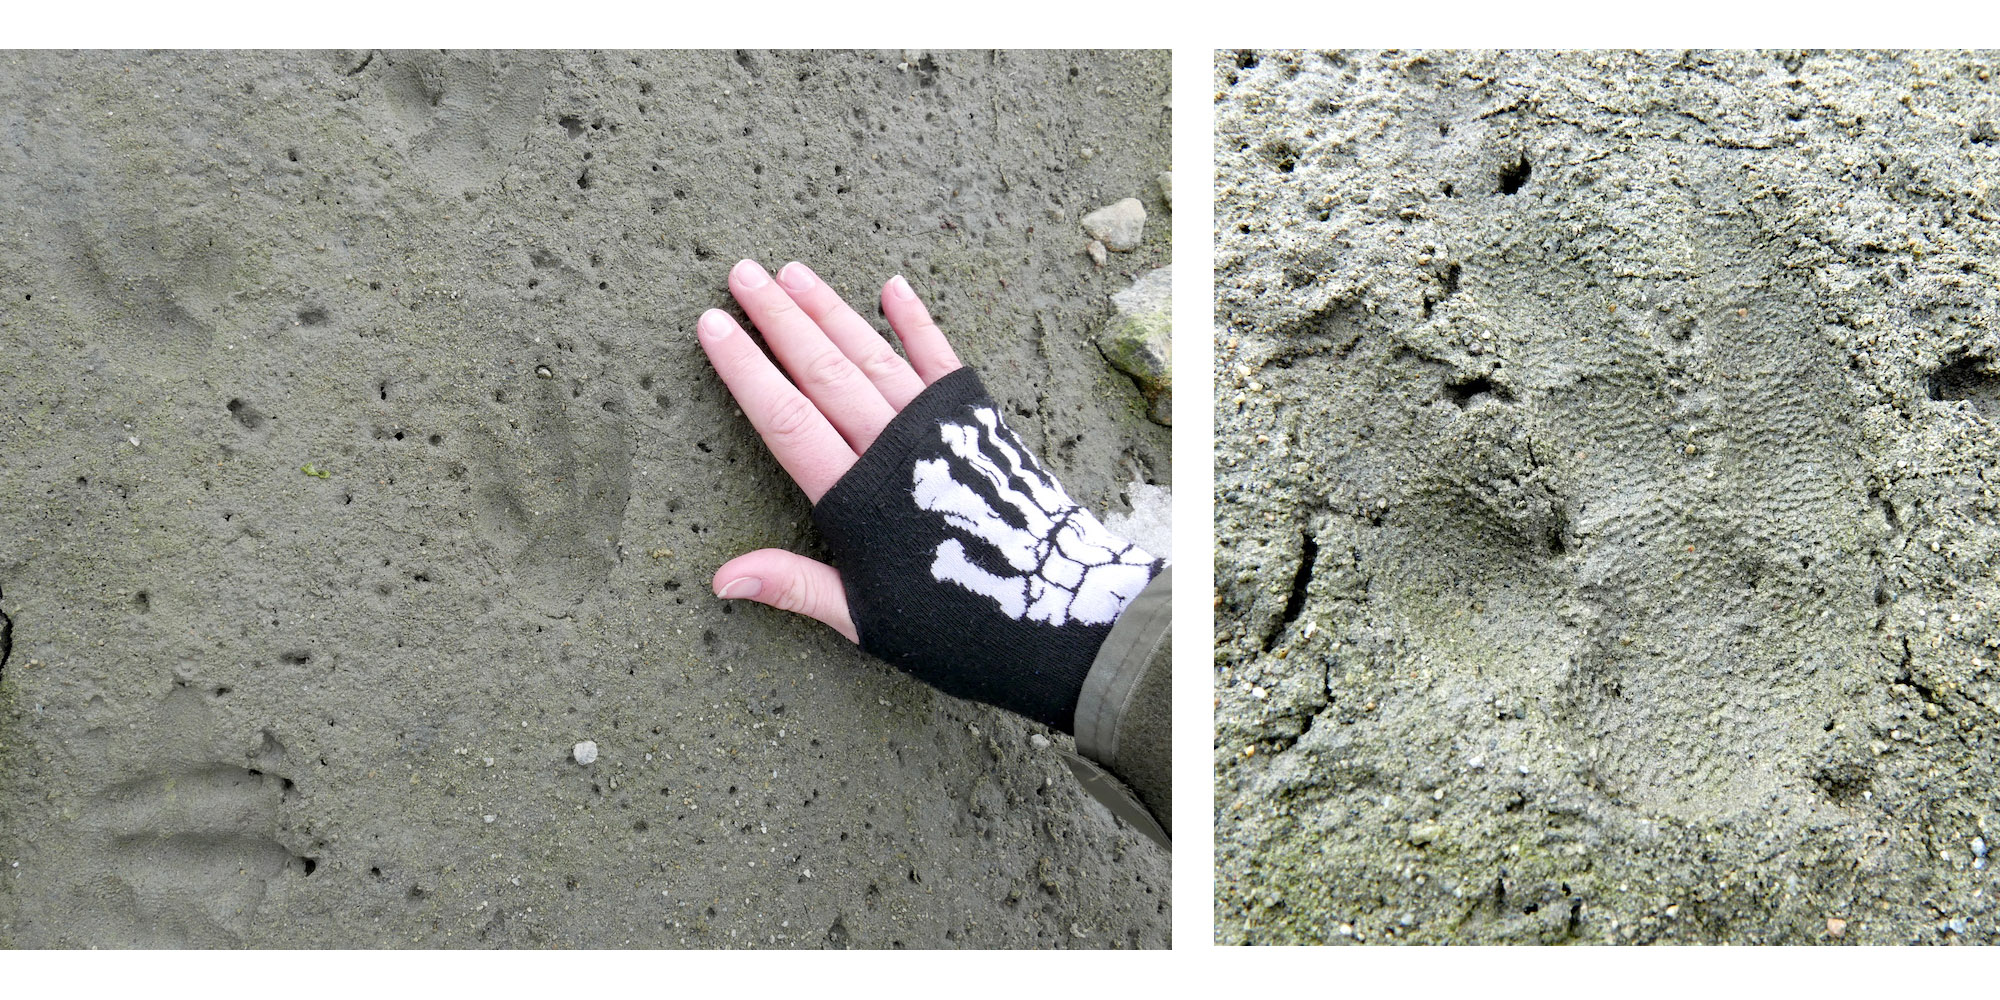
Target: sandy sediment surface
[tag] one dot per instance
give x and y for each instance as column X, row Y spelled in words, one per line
column 1606, row 496
column 359, row 462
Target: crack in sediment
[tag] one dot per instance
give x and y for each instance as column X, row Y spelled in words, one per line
column 1301, row 584
column 6, row 637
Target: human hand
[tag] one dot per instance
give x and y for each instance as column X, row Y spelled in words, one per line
column 849, row 385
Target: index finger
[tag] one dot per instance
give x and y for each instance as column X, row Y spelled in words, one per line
column 799, row 436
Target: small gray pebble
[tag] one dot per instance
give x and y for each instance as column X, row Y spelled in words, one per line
column 1119, row 225
column 585, row 752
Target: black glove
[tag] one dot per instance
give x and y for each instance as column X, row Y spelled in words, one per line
column 967, row 565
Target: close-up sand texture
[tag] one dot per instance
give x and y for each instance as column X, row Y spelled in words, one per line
column 358, row 461
column 1606, row 497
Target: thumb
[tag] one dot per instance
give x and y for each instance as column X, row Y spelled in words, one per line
column 789, row 582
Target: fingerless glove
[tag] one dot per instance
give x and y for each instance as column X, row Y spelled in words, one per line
column 968, row 566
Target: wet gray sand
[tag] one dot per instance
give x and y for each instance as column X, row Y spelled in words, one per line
column 359, row 463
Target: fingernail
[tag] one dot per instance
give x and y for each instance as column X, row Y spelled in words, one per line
column 742, row 586
column 713, row 325
column 901, row 289
column 796, row 277
column 750, row 274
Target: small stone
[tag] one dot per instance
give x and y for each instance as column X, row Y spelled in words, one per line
column 1836, row 927
column 1038, row 741
column 1086, row 154
column 1119, row 225
column 1139, row 340
column 490, row 817
column 1096, row 251
column 585, row 752
column 542, row 371
column 1166, row 182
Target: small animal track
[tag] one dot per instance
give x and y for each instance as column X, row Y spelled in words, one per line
column 463, row 114
column 155, row 280
column 557, row 479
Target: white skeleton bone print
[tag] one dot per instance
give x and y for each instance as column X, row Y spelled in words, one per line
column 1069, row 567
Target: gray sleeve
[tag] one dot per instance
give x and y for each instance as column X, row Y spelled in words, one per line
column 1124, row 718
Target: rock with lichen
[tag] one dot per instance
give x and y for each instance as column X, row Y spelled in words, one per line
column 1139, row 340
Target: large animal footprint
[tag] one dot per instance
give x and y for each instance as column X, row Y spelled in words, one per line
column 191, row 851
